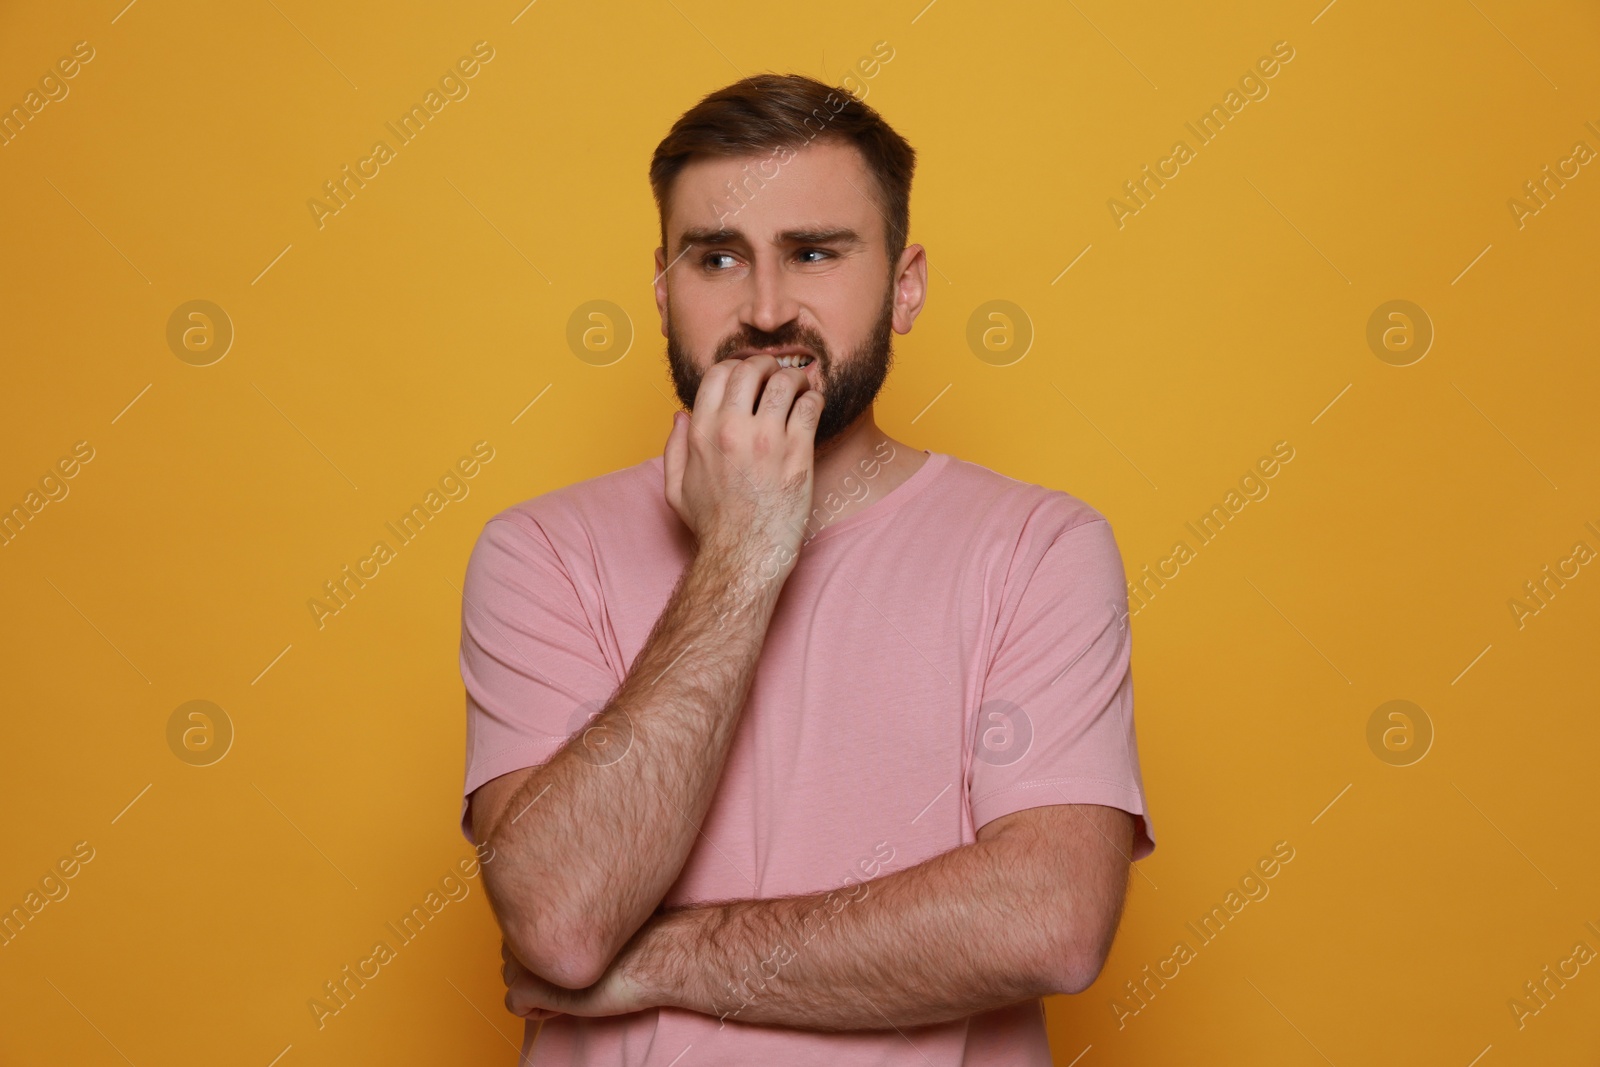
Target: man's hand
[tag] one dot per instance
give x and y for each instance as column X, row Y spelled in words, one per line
column 740, row 475
column 616, row 993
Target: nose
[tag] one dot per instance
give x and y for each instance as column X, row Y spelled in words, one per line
column 768, row 303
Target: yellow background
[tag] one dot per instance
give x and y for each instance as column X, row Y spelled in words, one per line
column 371, row 353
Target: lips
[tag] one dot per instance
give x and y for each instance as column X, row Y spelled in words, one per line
column 791, row 356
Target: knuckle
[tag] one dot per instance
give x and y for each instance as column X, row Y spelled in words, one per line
column 779, row 391
column 756, row 367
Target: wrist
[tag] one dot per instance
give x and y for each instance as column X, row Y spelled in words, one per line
column 743, row 580
column 659, row 962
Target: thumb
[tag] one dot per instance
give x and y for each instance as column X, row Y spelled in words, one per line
column 676, row 455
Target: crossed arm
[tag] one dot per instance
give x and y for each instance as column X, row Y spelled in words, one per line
column 1028, row 910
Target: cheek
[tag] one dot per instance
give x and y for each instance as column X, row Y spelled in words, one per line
column 858, row 317
column 704, row 320
column 691, row 336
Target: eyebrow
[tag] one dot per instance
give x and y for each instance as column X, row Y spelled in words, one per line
column 704, row 235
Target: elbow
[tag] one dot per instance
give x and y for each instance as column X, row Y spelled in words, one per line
column 1076, row 961
column 547, row 938
column 1075, row 972
column 570, row 956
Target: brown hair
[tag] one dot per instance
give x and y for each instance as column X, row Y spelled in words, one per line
column 773, row 112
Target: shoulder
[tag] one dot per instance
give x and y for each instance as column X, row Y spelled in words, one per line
column 579, row 517
column 1051, row 555
column 1031, row 512
column 621, row 494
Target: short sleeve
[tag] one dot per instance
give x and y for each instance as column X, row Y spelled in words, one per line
column 1055, row 725
column 533, row 669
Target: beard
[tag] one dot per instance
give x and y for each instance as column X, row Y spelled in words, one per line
column 849, row 385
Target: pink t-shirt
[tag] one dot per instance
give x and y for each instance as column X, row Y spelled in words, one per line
column 955, row 651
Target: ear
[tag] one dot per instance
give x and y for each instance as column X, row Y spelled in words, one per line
column 661, row 288
column 910, row 287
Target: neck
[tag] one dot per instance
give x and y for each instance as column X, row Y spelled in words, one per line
column 856, row 469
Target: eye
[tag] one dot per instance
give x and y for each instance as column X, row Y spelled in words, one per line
column 706, row 260
column 815, row 251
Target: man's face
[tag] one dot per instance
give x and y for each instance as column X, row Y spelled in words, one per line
column 796, row 261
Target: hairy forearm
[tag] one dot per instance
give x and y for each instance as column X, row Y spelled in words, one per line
column 592, row 840
column 972, row 929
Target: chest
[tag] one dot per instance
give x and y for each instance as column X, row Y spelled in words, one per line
column 851, row 755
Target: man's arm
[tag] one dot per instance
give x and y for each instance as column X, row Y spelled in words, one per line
column 1029, row 910
column 585, row 848
column 587, row 844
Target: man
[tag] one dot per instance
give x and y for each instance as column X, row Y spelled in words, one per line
column 796, row 744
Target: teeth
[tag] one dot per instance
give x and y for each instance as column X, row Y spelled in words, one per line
column 794, row 361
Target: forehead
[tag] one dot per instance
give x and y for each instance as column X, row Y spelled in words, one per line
column 823, row 185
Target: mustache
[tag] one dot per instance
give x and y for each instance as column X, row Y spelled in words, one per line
column 783, row 338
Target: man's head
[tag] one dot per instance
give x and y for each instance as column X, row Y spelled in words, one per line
column 784, row 207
